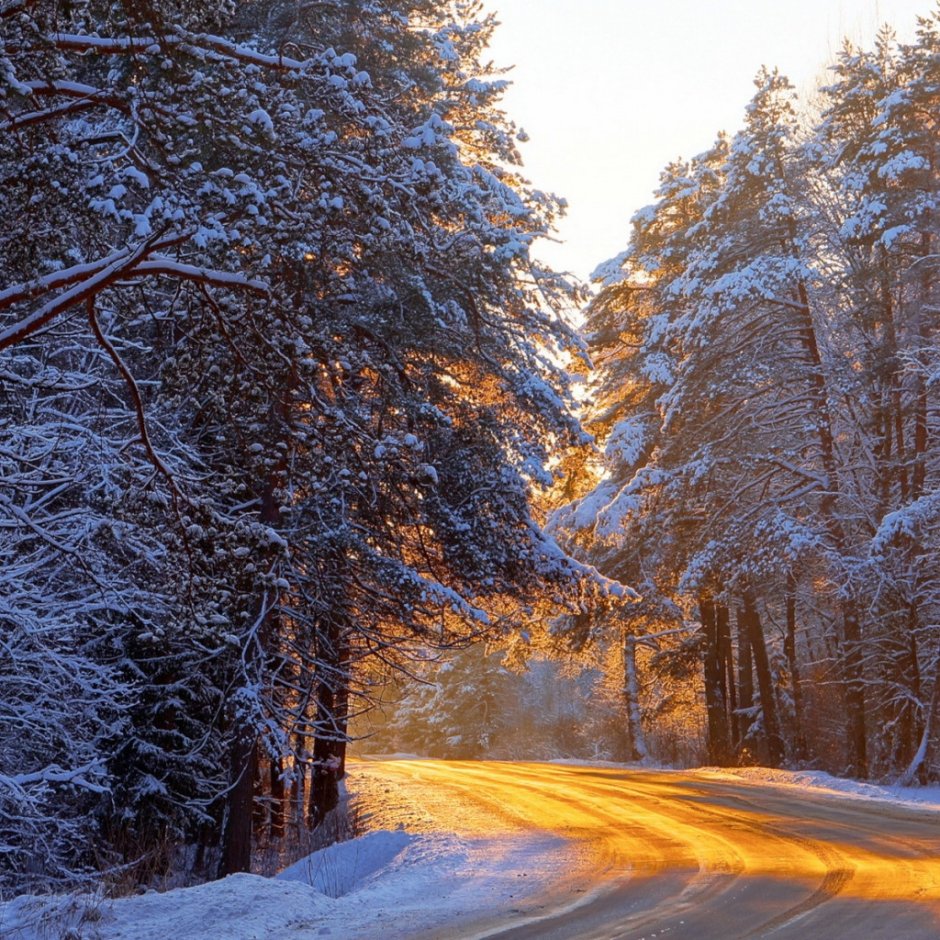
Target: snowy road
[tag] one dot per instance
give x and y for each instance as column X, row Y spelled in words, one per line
column 650, row 854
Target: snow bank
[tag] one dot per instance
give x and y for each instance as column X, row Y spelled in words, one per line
column 925, row 797
column 303, row 900
column 340, row 869
column 606, row 764
column 240, row 907
column 406, row 879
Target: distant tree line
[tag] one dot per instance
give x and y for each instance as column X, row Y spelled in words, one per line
column 478, row 703
column 279, row 380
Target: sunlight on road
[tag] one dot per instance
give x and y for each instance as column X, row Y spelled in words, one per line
column 690, row 855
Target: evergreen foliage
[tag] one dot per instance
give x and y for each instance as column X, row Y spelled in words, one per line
column 282, row 381
column 765, row 347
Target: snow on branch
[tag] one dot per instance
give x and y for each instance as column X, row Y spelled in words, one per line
column 159, row 265
column 128, row 377
column 86, row 96
column 94, row 277
column 77, row 776
column 82, row 291
column 186, row 41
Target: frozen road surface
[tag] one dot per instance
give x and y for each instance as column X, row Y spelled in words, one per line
column 664, row 855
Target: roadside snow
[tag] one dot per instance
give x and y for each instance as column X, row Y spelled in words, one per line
column 388, row 884
column 927, row 797
column 924, row 797
column 405, row 878
column 341, row 869
column 392, row 885
column 608, row 764
column 240, row 907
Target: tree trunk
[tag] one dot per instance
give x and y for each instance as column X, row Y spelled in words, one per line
column 236, row 825
column 913, row 675
column 718, row 738
column 828, row 508
column 298, row 805
column 260, row 813
column 745, row 679
column 917, row 769
column 279, row 799
column 237, row 818
column 631, row 697
column 921, row 408
column 329, row 744
column 789, row 645
column 324, row 771
column 854, row 684
column 726, row 664
column 902, row 674
column 342, row 722
column 768, row 702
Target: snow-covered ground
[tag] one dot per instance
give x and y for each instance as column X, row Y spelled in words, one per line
column 817, row 780
column 388, row 884
column 405, row 877
column 927, row 797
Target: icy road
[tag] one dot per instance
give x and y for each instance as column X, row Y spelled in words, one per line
column 667, row 855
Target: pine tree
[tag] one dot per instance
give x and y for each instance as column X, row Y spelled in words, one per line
column 338, row 365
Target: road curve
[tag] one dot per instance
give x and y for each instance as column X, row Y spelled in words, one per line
column 690, row 856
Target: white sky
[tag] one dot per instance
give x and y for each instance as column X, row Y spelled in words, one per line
column 612, row 90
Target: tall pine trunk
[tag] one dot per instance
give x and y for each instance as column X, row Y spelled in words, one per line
column 631, row 698
column 237, row 821
column 726, row 666
column 238, row 815
column 330, row 735
column 280, row 799
column 768, row 701
column 852, row 672
column 789, row 643
column 854, row 685
column 918, row 767
column 745, row 680
column 716, row 706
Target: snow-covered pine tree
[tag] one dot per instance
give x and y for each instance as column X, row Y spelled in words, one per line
column 878, row 144
column 338, row 362
column 781, row 453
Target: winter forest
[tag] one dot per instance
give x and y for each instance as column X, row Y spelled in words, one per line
column 302, row 449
